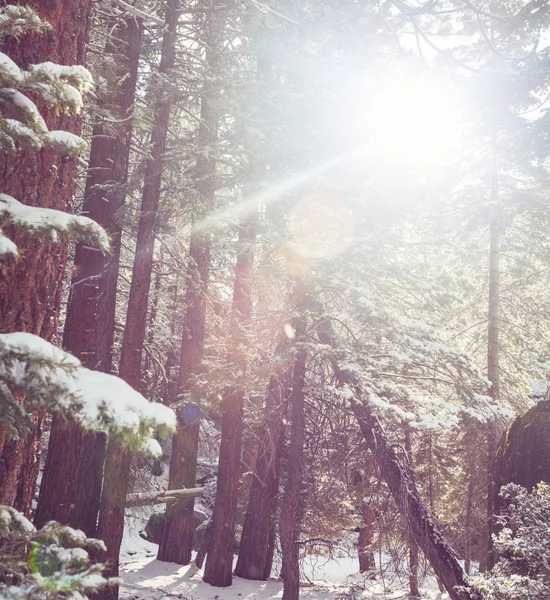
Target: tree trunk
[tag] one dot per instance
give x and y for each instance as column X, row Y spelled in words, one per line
column 366, row 536
column 413, row 546
column 117, row 463
column 493, row 375
column 468, row 521
column 289, row 527
column 90, row 482
column 30, row 289
column 254, row 552
column 90, row 322
column 176, row 543
column 219, row 561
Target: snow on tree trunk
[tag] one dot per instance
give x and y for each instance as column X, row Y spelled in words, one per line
column 177, row 536
column 289, row 526
column 254, row 560
column 30, row 290
column 117, row 464
column 219, row 560
column 93, row 291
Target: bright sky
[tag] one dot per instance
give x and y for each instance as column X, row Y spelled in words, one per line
column 414, row 120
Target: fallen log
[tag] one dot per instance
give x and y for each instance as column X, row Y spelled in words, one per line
column 167, row 497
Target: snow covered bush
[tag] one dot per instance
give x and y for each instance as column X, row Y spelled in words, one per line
column 48, row 222
column 52, row 379
column 52, row 563
column 523, row 547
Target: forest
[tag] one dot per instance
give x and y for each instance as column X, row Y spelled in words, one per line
column 274, row 299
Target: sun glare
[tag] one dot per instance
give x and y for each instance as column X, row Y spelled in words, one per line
column 414, row 120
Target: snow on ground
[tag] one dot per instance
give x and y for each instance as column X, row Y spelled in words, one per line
column 145, row 578
column 150, row 579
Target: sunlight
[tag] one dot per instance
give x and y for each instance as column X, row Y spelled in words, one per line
column 414, row 120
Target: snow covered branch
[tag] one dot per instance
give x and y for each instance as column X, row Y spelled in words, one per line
column 49, row 222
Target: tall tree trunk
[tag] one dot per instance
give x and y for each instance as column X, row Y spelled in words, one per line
column 90, row 483
column 30, row 290
column 413, row 546
column 219, row 561
column 117, row 463
column 255, row 559
column 468, row 521
column 176, row 543
column 90, row 321
column 493, row 370
column 289, row 527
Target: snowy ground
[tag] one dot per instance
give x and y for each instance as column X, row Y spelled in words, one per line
column 150, row 579
column 145, row 578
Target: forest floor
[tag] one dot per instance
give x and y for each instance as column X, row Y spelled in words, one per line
column 150, row 579
column 145, row 578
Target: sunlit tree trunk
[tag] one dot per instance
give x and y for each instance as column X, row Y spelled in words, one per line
column 219, row 561
column 117, row 463
column 255, row 558
column 493, row 367
column 30, row 288
column 176, row 542
column 289, row 527
column 90, row 322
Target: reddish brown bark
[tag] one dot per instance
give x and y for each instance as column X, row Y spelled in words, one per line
column 90, row 480
column 177, row 536
column 90, row 322
column 255, row 555
column 30, row 291
column 289, row 527
column 219, row 561
column 117, row 464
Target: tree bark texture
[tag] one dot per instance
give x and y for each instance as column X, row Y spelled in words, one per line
column 85, row 511
column 254, row 560
column 117, row 463
column 289, row 527
column 219, row 561
column 30, row 290
column 90, row 322
column 177, row 537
